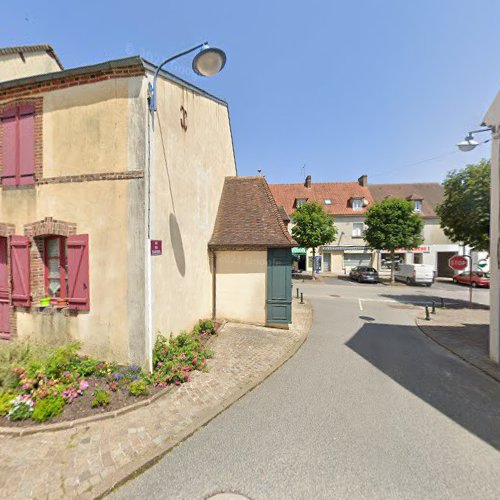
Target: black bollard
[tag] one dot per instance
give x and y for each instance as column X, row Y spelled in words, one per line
column 427, row 316
column 297, row 292
column 442, row 303
column 301, row 297
column 433, row 307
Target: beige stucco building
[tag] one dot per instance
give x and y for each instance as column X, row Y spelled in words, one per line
column 492, row 119
column 89, row 178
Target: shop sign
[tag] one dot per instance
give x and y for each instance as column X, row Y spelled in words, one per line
column 424, row 249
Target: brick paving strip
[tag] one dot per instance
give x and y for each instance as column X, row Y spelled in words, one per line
column 89, row 460
column 464, row 332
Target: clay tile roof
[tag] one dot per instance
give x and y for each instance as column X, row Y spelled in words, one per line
column 431, row 194
column 283, row 214
column 340, row 194
column 248, row 217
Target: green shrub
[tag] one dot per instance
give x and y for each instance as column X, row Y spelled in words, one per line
column 139, row 388
column 48, row 407
column 62, row 359
column 6, row 399
column 85, row 365
column 101, row 398
column 205, row 327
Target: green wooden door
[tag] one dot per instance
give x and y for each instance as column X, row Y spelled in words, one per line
column 279, row 285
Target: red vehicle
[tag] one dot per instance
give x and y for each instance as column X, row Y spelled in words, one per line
column 479, row 278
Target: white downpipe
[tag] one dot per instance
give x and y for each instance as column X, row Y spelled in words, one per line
column 149, row 232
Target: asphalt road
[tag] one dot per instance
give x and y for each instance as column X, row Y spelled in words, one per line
column 368, row 408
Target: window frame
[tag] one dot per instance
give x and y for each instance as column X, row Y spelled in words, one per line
column 362, row 232
column 354, row 204
column 328, row 201
column 300, row 201
column 417, row 205
column 63, row 275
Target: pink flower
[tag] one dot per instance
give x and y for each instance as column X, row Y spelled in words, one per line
column 22, row 376
column 177, row 382
column 195, row 360
column 84, row 385
column 67, row 374
column 26, row 387
column 159, row 363
column 52, row 382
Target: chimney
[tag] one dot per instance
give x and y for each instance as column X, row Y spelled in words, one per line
column 363, row 181
column 307, row 184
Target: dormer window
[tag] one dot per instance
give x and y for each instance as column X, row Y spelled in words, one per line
column 299, row 202
column 328, row 201
column 357, row 203
column 417, row 205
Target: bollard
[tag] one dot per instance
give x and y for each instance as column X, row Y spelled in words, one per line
column 301, row 297
column 442, row 303
column 433, row 307
column 427, row 317
column 297, row 292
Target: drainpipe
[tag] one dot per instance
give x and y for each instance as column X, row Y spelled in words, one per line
column 214, row 285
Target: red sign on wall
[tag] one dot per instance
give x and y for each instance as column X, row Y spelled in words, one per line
column 156, row 247
column 457, row 263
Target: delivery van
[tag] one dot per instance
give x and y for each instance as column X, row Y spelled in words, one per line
column 414, row 274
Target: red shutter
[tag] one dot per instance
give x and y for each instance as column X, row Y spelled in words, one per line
column 20, row 263
column 78, row 272
column 26, row 144
column 9, row 148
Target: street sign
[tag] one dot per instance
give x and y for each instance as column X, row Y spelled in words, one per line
column 156, row 247
column 482, row 263
column 457, row 263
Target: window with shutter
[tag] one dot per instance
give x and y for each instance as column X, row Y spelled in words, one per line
column 20, row 269
column 78, row 272
column 18, row 146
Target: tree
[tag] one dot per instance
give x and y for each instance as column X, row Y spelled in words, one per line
column 465, row 210
column 313, row 227
column 393, row 223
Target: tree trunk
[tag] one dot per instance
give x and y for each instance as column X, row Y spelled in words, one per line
column 313, row 263
column 393, row 265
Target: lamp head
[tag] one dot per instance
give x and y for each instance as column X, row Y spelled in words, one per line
column 468, row 144
column 209, row 61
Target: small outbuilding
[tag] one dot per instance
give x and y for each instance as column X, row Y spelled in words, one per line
column 252, row 256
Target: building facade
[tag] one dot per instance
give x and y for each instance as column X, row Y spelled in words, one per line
column 348, row 203
column 88, row 178
column 492, row 119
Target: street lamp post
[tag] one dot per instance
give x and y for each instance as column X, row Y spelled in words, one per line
column 208, row 62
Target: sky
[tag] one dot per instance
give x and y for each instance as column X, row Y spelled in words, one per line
column 333, row 89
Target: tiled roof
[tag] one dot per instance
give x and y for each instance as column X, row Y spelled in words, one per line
column 283, row 213
column 31, row 48
column 431, row 194
column 248, row 217
column 338, row 192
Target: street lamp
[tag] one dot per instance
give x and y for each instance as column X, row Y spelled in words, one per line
column 208, row 62
column 469, row 143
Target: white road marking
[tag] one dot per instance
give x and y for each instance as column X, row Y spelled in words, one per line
column 360, row 305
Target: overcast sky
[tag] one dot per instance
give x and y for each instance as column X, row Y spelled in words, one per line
column 346, row 88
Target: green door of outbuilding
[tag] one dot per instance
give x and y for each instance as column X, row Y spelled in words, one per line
column 279, row 285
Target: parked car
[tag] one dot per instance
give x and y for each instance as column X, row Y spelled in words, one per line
column 479, row 278
column 364, row 274
column 413, row 274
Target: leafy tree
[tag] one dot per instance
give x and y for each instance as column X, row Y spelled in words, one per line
column 313, row 227
column 465, row 211
column 392, row 223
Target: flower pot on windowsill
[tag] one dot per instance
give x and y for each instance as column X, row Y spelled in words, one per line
column 61, row 303
column 44, row 302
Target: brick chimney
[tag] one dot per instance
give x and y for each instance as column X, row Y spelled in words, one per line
column 363, row 181
column 308, row 182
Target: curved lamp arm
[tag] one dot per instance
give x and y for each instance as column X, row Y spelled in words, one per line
column 152, row 88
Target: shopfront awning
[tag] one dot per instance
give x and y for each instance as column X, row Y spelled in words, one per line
column 298, row 251
column 345, row 247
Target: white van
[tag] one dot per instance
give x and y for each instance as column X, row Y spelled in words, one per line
column 413, row 274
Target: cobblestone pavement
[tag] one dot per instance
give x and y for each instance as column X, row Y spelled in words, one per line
column 464, row 332
column 87, row 461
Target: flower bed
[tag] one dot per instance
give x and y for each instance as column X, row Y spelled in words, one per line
column 41, row 383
